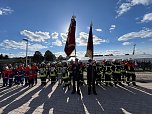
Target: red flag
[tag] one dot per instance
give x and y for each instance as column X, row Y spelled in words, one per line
column 90, row 44
column 70, row 43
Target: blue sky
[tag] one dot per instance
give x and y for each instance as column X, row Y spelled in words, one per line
column 117, row 25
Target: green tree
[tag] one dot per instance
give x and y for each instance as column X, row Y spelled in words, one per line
column 37, row 57
column 49, row 56
column 60, row 58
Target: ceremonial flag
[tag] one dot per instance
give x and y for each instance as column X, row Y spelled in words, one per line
column 70, row 43
column 90, row 44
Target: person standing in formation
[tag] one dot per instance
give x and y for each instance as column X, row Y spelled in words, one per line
column 91, row 77
column 76, row 76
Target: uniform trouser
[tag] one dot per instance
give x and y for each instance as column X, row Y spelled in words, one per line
column 5, row 82
column 91, row 84
column 10, row 82
column 16, row 79
column 43, row 80
column 35, row 79
column 67, row 81
column 48, row 76
column 98, row 80
column 133, row 79
column 81, row 78
column 128, row 75
column 53, row 79
column 26, row 80
column 31, row 82
column 123, row 77
column 59, row 78
column 117, row 78
column 107, row 79
column 78, row 85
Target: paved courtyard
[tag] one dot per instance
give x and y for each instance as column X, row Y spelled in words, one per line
column 54, row 99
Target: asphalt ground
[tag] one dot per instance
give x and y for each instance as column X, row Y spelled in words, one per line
column 55, row 99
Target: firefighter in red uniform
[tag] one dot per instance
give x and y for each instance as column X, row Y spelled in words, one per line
column 34, row 72
column 26, row 74
column 31, row 77
column 10, row 75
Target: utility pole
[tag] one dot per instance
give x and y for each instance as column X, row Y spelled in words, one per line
column 134, row 49
column 26, row 49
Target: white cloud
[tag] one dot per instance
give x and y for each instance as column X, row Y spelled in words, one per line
column 124, row 7
column 5, row 11
column 36, row 36
column 126, row 43
column 147, row 17
column 98, row 30
column 64, row 37
column 11, row 44
column 112, row 28
column 55, row 35
column 57, row 43
column 147, row 33
column 114, row 52
column 83, row 39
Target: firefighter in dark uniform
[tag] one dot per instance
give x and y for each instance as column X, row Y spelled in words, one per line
column 99, row 73
column 53, row 73
column 70, row 70
column 47, row 71
column 42, row 74
column 59, row 73
column 131, row 73
column 65, row 76
column 81, row 72
column 5, row 76
column 123, row 71
column 91, row 76
column 108, row 73
column 76, row 77
column 116, row 68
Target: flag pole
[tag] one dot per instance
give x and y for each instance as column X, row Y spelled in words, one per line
column 75, row 41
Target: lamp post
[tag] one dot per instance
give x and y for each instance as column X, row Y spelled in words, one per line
column 26, row 49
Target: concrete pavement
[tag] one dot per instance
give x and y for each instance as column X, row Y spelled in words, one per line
column 54, row 99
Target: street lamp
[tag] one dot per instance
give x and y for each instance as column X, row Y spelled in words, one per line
column 26, row 49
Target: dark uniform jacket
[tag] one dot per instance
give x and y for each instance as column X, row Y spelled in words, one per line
column 91, row 73
column 76, row 71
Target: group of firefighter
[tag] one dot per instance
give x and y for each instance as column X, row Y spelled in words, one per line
column 108, row 73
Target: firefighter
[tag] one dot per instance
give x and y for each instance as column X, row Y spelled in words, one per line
column 123, row 71
column 47, row 71
column 53, row 73
column 108, row 73
column 91, row 76
column 34, row 69
column 65, row 76
column 70, row 71
column 131, row 73
column 42, row 74
column 26, row 74
column 10, row 75
column 31, row 77
column 76, row 77
column 99, row 73
column 81, row 72
column 59, row 73
column 116, row 68
column 5, row 76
